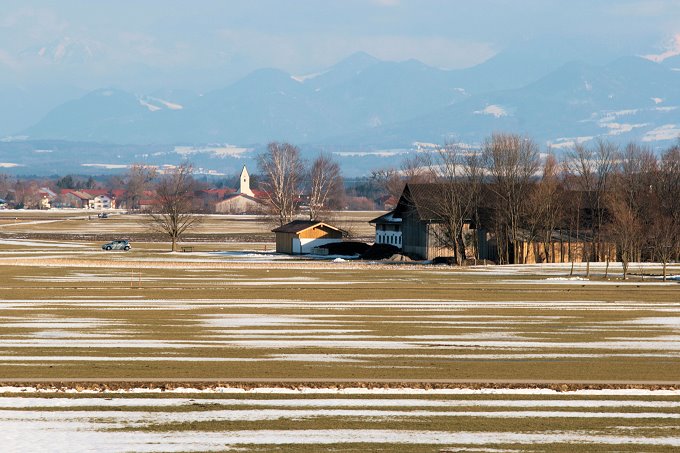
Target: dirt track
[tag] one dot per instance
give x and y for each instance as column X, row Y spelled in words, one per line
column 292, row 383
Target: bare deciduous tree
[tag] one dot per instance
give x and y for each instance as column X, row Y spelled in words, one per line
column 592, row 168
column 543, row 210
column 665, row 219
column 283, row 172
column 458, row 173
column 173, row 214
column 416, row 169
column 139, row 179
column 664, row 238
column 512, row 162
column 389, row 181
column 325, row 183
column 626, row 229
column 5, row 185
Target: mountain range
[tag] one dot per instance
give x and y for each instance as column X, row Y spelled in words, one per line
column 365, row 106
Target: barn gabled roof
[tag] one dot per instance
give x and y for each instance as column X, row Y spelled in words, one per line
column 298, row 226
column 386, row 218
column 425, row 199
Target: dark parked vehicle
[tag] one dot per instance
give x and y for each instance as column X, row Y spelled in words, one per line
column 103, row 215
column 117, row 245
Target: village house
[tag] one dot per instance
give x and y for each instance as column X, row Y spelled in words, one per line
column 208, row 198
column 100, row 202
column 301, row 236
column 386, row 203
column 244, row 200
column 47, row 197
column 118, row 198
column 70, row 198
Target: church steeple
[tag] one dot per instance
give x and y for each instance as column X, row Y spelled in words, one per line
column 245, row 183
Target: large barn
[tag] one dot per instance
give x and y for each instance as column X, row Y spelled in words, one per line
column 301, row 236
column 421, row 225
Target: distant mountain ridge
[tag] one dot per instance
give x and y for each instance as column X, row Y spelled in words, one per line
column 363, row 103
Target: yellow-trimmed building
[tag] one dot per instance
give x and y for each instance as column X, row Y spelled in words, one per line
column 301, row 236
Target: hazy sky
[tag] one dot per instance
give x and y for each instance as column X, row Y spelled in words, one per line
column 200, row 43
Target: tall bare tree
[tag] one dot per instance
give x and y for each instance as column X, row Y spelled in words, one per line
column 173, row 212
column 388, row 181
column 665, row 227
column 668, row 183
column 627, row 230
column 512, row 162
column 664, row 237
column 416, row 169
column 5, row 185
column 543, row 209
column 325, row 183
column 283, row 171
column 138, row 181
column 592, row 168
column 458, row 174
column 636, row 172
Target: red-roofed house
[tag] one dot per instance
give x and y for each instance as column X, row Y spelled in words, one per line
column 71, row 198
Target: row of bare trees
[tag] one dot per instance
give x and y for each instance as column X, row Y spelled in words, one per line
column 605, row 197
column 286, row 177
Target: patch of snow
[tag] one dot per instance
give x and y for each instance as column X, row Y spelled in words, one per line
column 149, row 106
column 26, row 403
column 14, row 138
column 169, row 105
column 40, row 243
column 494, row 110
column 672, row 50
column 379, row 153
column 106, row 166
column 306, row 77
column 85, row 434
column 220, row 151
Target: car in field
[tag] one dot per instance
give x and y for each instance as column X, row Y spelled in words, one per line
column 103, row 215
column 117, row 245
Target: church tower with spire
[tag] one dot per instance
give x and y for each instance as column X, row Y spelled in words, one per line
column 244, row 187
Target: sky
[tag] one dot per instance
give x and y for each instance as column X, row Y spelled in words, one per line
column 205, row 44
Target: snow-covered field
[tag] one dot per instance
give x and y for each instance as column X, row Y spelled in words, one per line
column 431, row 421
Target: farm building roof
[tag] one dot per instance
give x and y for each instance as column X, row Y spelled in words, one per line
column 77, row 193
column 386, row 218
column 424, row 198
column 297, row 226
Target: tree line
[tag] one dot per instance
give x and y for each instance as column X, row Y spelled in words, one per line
column 612, row 199
column 600, row 193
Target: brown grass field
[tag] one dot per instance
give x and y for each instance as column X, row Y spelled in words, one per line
column 593, row 363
